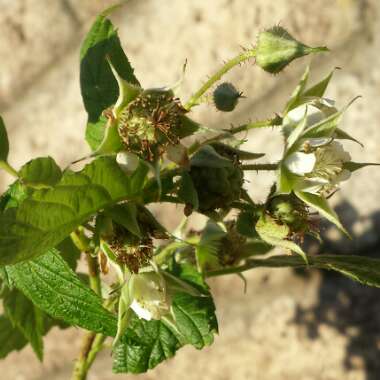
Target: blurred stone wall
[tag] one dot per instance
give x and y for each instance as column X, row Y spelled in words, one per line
column 41, row 104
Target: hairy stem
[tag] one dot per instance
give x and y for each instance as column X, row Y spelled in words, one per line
column 194, row 100
column 92, row 343
column 260, row 167
column 235, row 130
column 8, row 168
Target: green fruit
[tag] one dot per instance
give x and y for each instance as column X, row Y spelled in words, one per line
column 226, row 97
column 218, row 183
column 150, row 123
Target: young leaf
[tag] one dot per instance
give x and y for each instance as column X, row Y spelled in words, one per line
column 322, row 206
column 27, row 318
column 40, row 172
column 43, row 220
column 4, row 143
column 11, row 338
column 52, row 286
column 98, row 84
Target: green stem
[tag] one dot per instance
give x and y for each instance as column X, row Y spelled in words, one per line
column 259, row 167
column 92, row 343
column 194, row 100
column 94, row 274
column 235, row 130
column 8, row 168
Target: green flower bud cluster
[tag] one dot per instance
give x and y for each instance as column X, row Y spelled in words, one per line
column 150, row 123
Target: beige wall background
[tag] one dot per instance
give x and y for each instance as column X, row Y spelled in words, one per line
column 287, row 326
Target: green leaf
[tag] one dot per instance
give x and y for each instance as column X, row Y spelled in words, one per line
column 69, row 252
column 322, row 206
column 187, row 191
column 353, row 166
column 195, row 319
column 4, row 143
column 98, row 85
column 52, row 286
column 11, row 338
column 40, row 172
column 27, row 318
column 363, row 269
column 147, row 343
column 15, row 194
column 126, row 215
column 43, row 220
column 144, row 345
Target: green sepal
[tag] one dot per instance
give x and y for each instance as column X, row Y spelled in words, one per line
column 321, row 205
column 353, row 166
column 277, row 234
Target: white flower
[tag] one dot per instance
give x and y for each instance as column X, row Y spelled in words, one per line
column 148, row 295
column 127, row 161
column 316, row 110
column 322, row 169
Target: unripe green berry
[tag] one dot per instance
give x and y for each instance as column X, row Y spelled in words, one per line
column 226, row 97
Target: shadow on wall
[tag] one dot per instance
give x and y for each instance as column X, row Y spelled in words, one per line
column 352, row 309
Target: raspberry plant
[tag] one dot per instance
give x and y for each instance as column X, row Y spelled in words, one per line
column 146, row 288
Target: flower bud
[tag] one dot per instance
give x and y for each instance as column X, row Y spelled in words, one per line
column 127, row 161
column 276, row 48
column 148, row 294
column 226, row 97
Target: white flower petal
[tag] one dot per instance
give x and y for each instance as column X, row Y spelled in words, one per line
column 300, row 163
column 140, row 311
